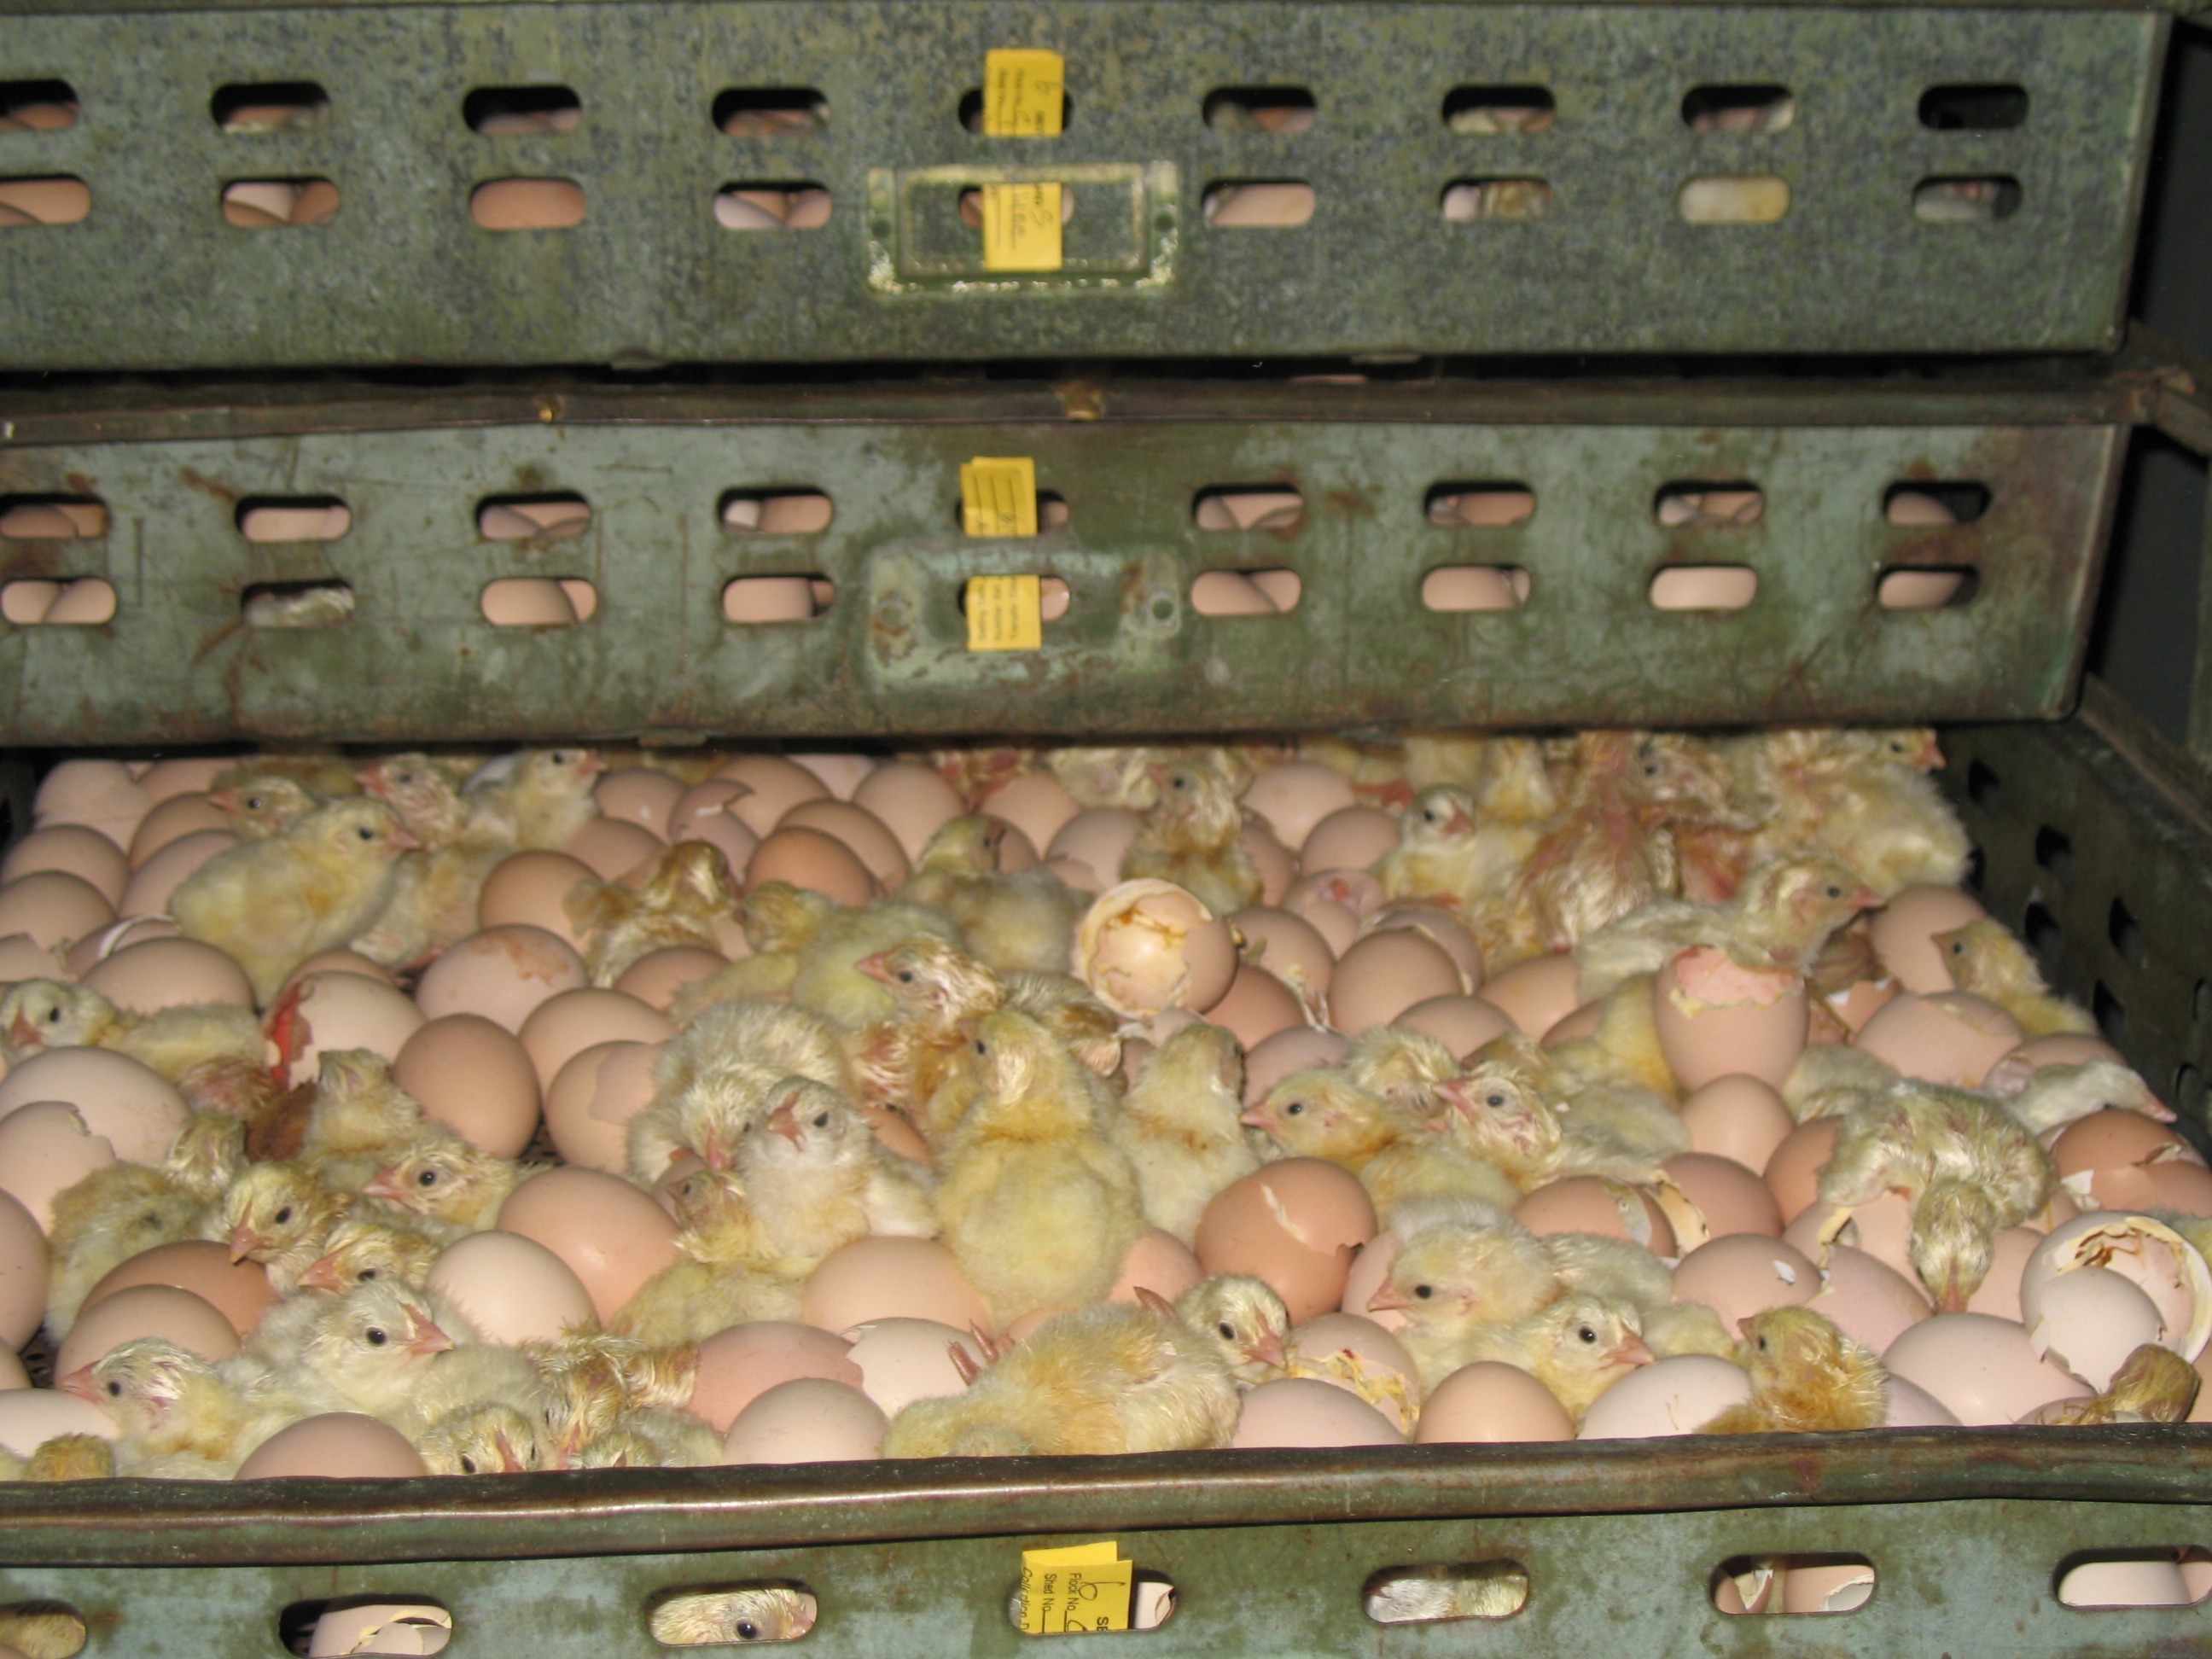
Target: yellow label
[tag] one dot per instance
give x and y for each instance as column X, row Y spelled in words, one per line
column 1021, row 228
column 1082, row 1588
column 1022, row 91
column 998, row 496
column 1004, row 613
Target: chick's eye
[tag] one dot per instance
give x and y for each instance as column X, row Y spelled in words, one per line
column 1762, row 1345
column 53, row 1016
column 365, row 1275
column 427, row 1178
column 283, row 1215
column 1496, row 1099
column 1294, row 1109
column 1587, row 1334
column 748, row 1631
column 1228, row 1331
column 376, row 1338
column 1424, row 1292
column 115, row 1389
column 906, row 976
column 821, row 1120
column 468, row 1464
column 365, row 833
column 1833, row 891
column 983, row 1051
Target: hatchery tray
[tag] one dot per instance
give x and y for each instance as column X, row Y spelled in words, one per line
column 1474, row 178
column 384, row 634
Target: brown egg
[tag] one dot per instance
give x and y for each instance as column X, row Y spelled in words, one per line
column 1302, row 1411
column 1257, row 1006
column 528, row 889
column 1462, row 1024
column 325, row 1012
column 1949, row 1037
column 1745, row 1274
column 655, row 978
column 568, row 1022
column 1146, row 945
column 614, row 849
column 1871, row 1303
column 1384, row 974
column 1794, row 1169
column 1582, row 1023
column 612, row 1234
column 703, row 814
column 1882, row 1227
column 903, row 1360
column 172, row 820
column 1076, row 877
column 238, row 1290
column 336, row 1445
column 1292, row 798
column 23, row 1264
column 1293, row 1049
column 1714, row 1017
column 1536, row 994
column 883, row 1277
column 1670, row 1396
column 1290, row 947
column 1277, row 867
column 841, row 774
column 738, row 1366
column 342, row 961
column 1159, row 1262
column 1296, row 1224
column 23, row 957
column 1437, row 924
column 1903, row 935
column 2116, row 1138
column 1099, row 839
column 811, row 859
column 53, row 906
column 1035, row 803
column 2161, row 1263
column 1353, row 889
column 502, row 973
column 1594, row 1204
column 1738, row 1118
column 638, row 795
column 44, row 1148
column 99, row 794
column 141, row 1310
column 166, row 973
column 773, row 787
column 474, row 1077
column 184, row 775
column 1350, row 838
column 95, row 948
column 1861, row 1000
column 124, row 1102
column 74, row 849
column 512, row 1289
column 1354, row 1352
column 807, row 1420
column 592, row 1100
column 153, row 882
column 1982, row 1368
column 1728, row 1198
column 2180, row 1186
column 864, row 834
column 1489, row 1403
column 1999, row 1292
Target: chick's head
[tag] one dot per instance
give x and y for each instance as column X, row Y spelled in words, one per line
column 1441, row 815
column 38, row 1014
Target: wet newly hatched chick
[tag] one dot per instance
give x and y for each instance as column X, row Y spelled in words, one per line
column 271, row 904
column 751, row 1613
column 1245, row 1319
column 2153, row 1383
column 689, row 890
column 1863, row 795
column 1190, row 837
column 1578, row 1348
column 817, row 1177
column 38, row 1014
column 1986, row 960
column 443, row 1179
column 1504, row 1110
column 2050, row 1096
column 1321, row 1113
column 714, row 1077
column 358, row 1119
column 1402, row 1066
column 1778, row 918
column 728, row 1271
column 1181, row 1127
column 1038, row 1205
column 909, row 1061
column 1806, row 1375
column 1020, row 919
column 361, row 1249
column 1452, row 1281
column 1115, row 1377
column 1968, row 1166
column 489, row 1438
column 280, row 1215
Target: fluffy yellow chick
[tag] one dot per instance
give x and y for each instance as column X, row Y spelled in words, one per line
column 280, row 1215
column 1968, row 1166
column 755, row 1612
column 1863, row 795
column 103, row 1220
column 361, row 1249
column 435, row 887
column 367, row 1351
column 1190, row 837
column 907, row 1060
column 1112, row 1378
column 1986, row 960
column 2153, row 1383
column 38, row 1014
column 1321, row 1113
column 1504, row 1110
column 1245, row 1320
column 259, row 805
column 180, row 1414
column 817, row 1177
column 489, row 1438
column 358, row 1119
column 273, row 904
column 535, row 798
column 1403, row 1066
column 1806, row 1375
column 1038, row 1205
column 688, row 891
column 728, row 1271
column 442, row 1178
column 1017, row 919
column 714, row 1077
column 1452, row 1281
column 1437, row 848
column 1181, row 1127
column 1578, row 1348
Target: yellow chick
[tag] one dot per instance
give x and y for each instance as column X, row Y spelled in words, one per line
column 180, row 1414
column 442, row 1178
column 1038, row 1205
column 756, row 1612
column 1321, row 1113
column 1437, row 850
column 1112, row 1378
column 1010, row 919
column 2153, row 1384
column 715, row 1076
column 1245, row 1320
column 1806, row 1375
column 1578, row 1348
column 261, row 803
column 38, row 1014
column 1190, row 837
column 358, row 1119
column 912, row 1060
column 102, row 1221
column 1181, row 1127
column 534, row 798
column 273, row 904
column 490, row 1437
column 689, row 889
column 1863, row 795
column 728, row 1271
column 1452, row 1281
column 367, row 1351
column 361, row 1249
column 1987, row 961
column 1501, row 1112
column 817, row 1177
column 280, row 1215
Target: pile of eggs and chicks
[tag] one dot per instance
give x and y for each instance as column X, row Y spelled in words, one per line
column 1461, row 1089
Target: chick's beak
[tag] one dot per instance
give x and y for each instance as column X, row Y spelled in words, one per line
column 424, row 1338
column 245, row 1241
column 1632, row 1352
column 386, row 1185
column 22, row 1033
column 785, row 1121
column 322, row 1274
column 1386, row 1298
column 400, row 840
column 80, row 1383
column 1259, row 1117
column 875, row 968
column 509, row 1462
column 1458, row 824
column 1269, row 1348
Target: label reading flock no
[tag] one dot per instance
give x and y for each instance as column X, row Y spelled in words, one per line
column 1006, row 613
column 1084, row 1587
column 1021, row 227
column 998, row 496
column 1022, row 93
